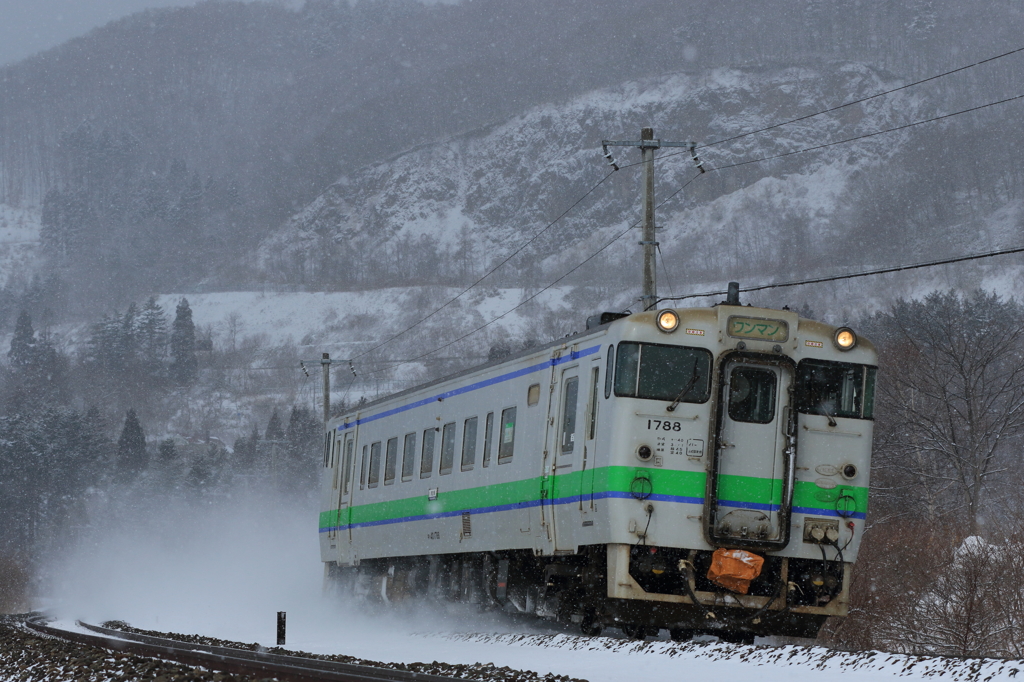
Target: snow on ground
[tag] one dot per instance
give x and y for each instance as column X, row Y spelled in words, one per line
column 224, row 568
column 19, row 241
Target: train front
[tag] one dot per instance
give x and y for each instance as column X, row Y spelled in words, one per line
column 741, row 443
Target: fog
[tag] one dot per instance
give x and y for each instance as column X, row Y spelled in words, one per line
column 224, row 568
column 31, row 26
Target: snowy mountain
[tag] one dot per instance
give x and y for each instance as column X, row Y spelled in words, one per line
column 447, row 212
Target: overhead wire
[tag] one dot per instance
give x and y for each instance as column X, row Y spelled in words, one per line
column 686, row 184
column 734, row 165
column 838, row 107
column 710, row 144
column 541, row 291
column 486, row 274
column 854, row 275
column 866, row 135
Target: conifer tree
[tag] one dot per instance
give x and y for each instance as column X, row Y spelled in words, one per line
column 274, row 430
column 152, row 335
column 131, row 448
column 23, row 343
column 184, row 364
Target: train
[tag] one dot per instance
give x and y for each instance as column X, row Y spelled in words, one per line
column 700, row 470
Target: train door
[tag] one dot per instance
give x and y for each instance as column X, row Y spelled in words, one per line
column 589, row 460
column 568, row 448
column 348, row 460
column 751, row 486
column 346, row 456
column 329, row 487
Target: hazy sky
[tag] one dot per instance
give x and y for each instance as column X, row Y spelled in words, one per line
column 30, row 26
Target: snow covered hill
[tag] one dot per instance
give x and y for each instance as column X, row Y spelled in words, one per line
column 475, row 198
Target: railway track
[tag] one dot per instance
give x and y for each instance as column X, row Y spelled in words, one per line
column 255, row 664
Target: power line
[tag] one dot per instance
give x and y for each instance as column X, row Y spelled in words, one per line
column 838, row 142
column 729, row 139
column 541, row 291
column 865, row 99
column 842, row 106
column 867, row 135
column 687, row 183
column 853, row 275
column 486, row 274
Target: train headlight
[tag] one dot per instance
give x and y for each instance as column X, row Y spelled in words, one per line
column 668, row 320
column 845, row 339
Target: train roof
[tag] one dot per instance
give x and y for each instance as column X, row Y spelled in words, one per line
column 613, row 319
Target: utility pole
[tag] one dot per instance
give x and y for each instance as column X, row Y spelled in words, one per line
column 325, row 363
column 647, row 145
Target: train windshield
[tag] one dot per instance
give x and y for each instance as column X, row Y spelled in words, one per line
column 835, row 389
column 658, row 372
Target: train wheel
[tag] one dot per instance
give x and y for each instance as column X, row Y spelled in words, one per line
column 681, row 634
column 634, row 631
column 737, row 637
column 588, row 626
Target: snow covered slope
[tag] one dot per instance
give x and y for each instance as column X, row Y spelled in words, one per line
column 486, row 192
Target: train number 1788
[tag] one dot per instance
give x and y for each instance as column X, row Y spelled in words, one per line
column 664, row 425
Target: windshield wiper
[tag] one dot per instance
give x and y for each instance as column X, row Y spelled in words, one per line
column 693, row 380
column 824, row 411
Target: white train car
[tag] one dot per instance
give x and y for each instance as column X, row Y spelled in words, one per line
column 593, row 479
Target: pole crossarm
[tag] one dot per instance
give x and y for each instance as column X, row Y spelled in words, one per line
column 653, row 144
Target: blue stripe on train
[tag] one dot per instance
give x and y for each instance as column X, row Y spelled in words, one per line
column 501, row 378
column 576, row 498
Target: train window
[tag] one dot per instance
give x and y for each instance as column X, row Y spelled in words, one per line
column 835, row 389
column 447, row 448
column 373, row 478
column 327, row 449
column 391, row 461
column 427, row 458
column 408, row 456
column 572, row 393
column 592, row 422
column 659, row 372
column 609, row 372
column 469, row 444
column 335, row 460
column 752, row 395
column 869, row 392
column 488, row 437
column 363, row 469
column 349, row 447
column 533, row 395
column 507, row 435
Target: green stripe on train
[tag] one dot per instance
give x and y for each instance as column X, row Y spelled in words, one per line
column 597, row 481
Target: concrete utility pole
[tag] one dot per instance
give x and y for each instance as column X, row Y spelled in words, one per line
column 325, row 363
column 647, row 145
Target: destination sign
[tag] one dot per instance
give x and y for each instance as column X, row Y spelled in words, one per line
column 758, row 328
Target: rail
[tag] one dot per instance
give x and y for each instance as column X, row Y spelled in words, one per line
column 228, row 660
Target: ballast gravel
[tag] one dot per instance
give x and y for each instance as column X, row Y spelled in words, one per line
column 28, row 657
column 486, row 672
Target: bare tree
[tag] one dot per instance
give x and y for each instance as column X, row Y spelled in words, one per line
column 960, row 614
column 952, row 390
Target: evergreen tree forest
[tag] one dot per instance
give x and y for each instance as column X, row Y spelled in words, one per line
column 100, row 420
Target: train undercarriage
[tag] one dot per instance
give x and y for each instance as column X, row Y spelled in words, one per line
column 637, row 588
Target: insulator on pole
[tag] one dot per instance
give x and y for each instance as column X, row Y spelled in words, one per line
column 608, row 155
column 696, row 159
